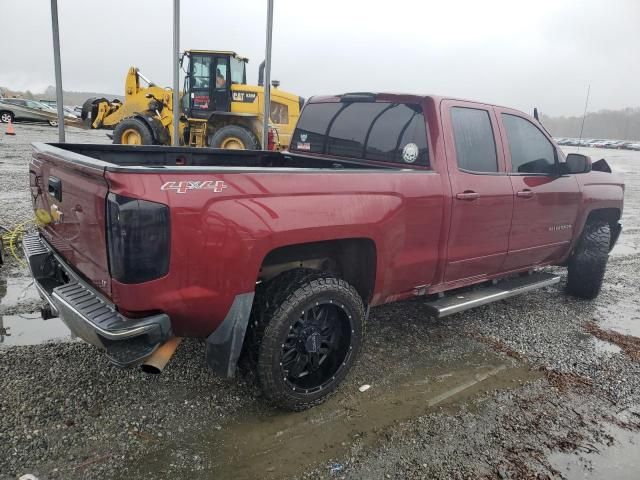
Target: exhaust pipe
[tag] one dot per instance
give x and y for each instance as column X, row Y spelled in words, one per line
column 156, row 362
column 261, row 74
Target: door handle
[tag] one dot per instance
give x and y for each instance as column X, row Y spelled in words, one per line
column 468, row 195
column 526, row 193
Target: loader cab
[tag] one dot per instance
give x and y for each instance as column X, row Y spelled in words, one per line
column 209, row 76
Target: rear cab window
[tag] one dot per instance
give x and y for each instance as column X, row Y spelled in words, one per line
column 380, row 131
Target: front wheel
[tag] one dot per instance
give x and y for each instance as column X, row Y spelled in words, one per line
column 310, row 338
column 234, row 137
column 588, row 261
column 132, row 131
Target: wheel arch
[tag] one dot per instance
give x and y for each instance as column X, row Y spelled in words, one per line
column 352, row 259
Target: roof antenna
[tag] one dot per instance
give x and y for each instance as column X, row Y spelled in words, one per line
column 535, row 113
column 586, row 104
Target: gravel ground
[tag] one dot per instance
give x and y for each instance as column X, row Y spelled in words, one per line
column 517, row 389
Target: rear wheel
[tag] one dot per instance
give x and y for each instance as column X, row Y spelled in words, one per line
column 588, row 261
column 307, row 334
column 234, row 137
column 53, row 123
column 6, row 117
column 132, row 131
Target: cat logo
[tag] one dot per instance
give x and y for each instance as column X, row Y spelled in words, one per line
column 244, row 97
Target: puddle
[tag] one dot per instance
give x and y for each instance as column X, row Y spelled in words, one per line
column 623, row 316
column 605, row 347
column 627, row 244
column 30, row 329
column 16, row 290
column 253, row 446
column 620, row 461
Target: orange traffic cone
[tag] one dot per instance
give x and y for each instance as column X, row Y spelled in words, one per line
column 10, row 129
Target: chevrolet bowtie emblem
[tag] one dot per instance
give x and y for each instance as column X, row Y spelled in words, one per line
column 56, row 214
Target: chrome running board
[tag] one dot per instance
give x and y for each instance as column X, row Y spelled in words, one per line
column 459, row 302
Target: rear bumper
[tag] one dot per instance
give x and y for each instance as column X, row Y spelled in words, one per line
column 89, row 314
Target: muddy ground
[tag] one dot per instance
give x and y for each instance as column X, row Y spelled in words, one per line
column 538, row 386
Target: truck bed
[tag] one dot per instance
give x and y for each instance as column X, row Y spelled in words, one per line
column 126, row 157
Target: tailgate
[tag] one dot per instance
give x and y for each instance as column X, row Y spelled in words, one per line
column 68, row 194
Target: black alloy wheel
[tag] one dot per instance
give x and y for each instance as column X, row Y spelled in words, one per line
column 317, row 347
column 305, row 334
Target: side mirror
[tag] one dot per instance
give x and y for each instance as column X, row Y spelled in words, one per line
column 578, row 163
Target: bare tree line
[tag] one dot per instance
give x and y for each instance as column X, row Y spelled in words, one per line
column 605, row 124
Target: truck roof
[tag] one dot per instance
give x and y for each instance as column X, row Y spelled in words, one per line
column 395, row 96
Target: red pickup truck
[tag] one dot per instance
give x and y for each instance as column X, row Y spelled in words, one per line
column 277, row 256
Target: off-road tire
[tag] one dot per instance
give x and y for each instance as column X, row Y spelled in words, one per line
column 588, row 261
column 246, row 136
column 6, row 117
column 277, row 306
column 136, row 124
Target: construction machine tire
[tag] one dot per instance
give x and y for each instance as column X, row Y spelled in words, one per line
column 132, row 131
column 234, row 137
column 90, row 109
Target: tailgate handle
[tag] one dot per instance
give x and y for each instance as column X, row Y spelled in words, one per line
column 55, row 188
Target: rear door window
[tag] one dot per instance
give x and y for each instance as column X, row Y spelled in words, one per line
column 474, row 140
column 381, row 131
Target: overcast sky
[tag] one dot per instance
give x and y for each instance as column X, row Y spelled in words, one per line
column 515, row 53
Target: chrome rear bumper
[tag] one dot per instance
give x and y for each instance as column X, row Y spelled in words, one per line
column 88, row 313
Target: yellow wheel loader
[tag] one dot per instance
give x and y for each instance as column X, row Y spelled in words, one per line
column 218, row 108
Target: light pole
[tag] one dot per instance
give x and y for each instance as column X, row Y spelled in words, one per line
column 267, row 76
column 56, row 62
column 176, row 71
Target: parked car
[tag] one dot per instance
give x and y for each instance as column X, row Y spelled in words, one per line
column 20, row 109
column 633, row 146
column 278, row 256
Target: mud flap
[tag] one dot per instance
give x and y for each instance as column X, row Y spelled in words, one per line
column 225, row 344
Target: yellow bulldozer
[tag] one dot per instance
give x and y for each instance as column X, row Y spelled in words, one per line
column 219, row 109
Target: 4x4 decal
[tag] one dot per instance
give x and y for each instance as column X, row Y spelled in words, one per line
column 183, row 187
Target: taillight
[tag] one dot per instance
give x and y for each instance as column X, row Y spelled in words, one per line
column 138, row 238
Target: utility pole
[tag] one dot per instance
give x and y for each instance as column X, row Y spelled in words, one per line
column 176, row 72
column 267, row 75
column 56, row 62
